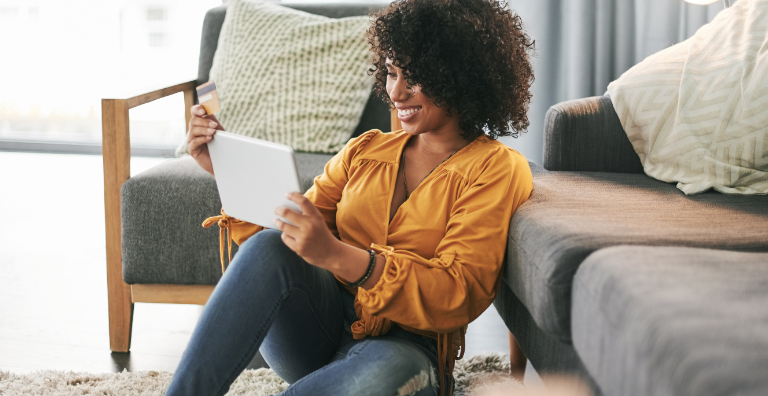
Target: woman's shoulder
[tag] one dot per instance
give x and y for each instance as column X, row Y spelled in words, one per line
column 376, row 145
column 497, row 149
column 490, row 155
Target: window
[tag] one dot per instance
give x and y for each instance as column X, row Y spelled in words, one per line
column 157, row 39
column 156, row 14
column 67, row 56
column 8, row 12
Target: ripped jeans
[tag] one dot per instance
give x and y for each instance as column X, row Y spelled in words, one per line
column 299, row 317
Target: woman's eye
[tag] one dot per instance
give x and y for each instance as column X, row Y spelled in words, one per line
column 392, row 75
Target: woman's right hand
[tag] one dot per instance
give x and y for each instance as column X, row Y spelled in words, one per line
column 202, row 127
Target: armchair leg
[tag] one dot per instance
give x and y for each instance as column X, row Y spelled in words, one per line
column 517, row 359
column 120, row 317
column 116, row 148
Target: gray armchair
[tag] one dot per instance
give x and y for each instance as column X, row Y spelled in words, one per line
column 157, row 251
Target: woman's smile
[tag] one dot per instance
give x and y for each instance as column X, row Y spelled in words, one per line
column 407, row 113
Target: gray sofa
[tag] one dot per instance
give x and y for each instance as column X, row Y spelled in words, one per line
column 625, row 281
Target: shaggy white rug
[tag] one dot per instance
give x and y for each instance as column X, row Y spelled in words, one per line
column 467, row 372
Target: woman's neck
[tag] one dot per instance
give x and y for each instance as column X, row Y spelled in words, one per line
column 440, row 143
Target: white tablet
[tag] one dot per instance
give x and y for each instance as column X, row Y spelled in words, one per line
column 253, row 177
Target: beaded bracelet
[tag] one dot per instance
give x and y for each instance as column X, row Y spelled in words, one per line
column 368, row 272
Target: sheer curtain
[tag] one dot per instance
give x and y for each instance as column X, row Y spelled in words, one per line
column 583, row 45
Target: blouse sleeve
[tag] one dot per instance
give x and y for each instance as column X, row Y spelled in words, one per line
column 460, row 282
column 326, row 191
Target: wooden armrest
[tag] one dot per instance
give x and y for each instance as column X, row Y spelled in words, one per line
column 139, row 99
column 116, row 150
column 116, row 144
column 145, row 96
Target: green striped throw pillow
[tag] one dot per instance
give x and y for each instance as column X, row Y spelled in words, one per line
column 291, row 77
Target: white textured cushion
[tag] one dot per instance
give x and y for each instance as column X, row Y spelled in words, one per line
column 291, row 77
column 697, row 112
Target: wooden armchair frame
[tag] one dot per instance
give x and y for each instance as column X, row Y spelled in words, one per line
column 116, row 149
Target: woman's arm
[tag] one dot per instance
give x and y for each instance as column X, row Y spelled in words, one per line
column 310, row 238
column 327, row 189
column 314, row 235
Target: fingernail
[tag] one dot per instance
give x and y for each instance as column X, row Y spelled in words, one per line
column 275, row 221
column 212, row 124
column 211, row 130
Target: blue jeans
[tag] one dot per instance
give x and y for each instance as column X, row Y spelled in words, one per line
column 299, row 316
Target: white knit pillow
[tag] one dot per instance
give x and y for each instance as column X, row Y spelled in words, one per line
column 697, row 112
column 291, row 77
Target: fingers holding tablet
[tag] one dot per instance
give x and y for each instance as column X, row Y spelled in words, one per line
column 307, row 234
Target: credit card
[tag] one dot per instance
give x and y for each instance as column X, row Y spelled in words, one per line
column 208, row 98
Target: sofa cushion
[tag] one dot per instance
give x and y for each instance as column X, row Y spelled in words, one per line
column 696, row 112
column 376, row 113
column 572, row 214
column 312, row 86
column 673, row 321
column 162, row 210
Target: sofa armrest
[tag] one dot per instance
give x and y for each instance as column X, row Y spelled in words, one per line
column 586, row 135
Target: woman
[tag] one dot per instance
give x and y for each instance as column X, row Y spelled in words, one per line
column 400, row 242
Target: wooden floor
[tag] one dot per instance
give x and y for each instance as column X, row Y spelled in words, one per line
column 53, row 295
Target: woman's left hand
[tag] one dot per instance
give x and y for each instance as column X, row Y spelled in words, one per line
column 309, row 236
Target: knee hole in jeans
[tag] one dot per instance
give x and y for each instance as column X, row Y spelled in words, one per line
column 417, row 383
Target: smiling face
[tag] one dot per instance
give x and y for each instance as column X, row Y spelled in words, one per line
column 417, row 113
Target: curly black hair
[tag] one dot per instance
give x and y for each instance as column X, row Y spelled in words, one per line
column 470, row 57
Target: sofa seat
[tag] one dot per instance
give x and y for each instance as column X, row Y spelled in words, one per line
column 572, row 214
column 162, row 211
column 673, row 321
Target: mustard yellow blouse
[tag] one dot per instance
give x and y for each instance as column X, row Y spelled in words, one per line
column 445, row 245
